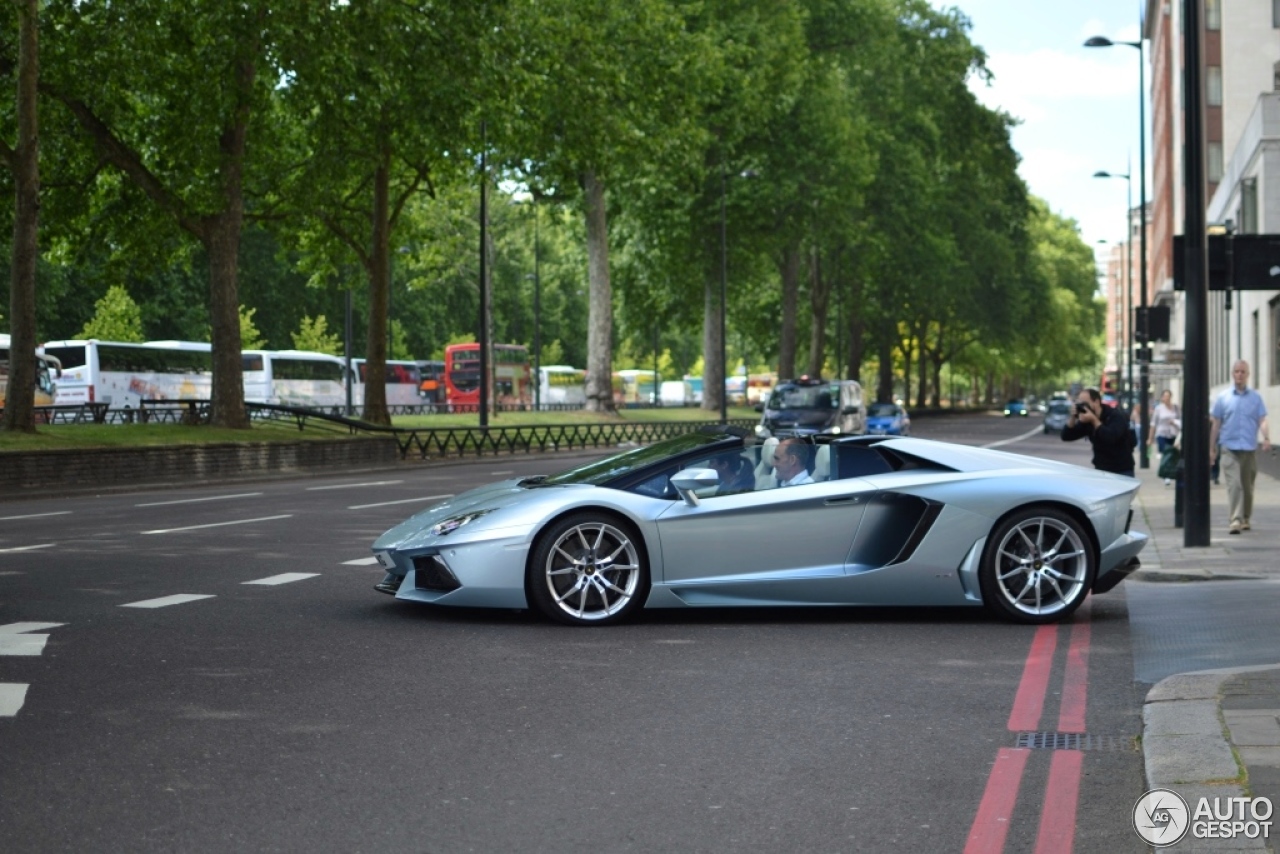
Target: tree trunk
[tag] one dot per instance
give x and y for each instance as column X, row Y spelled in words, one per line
column 19, row 412
column 223, row 246
column 922, row 393
column 600, row 300
column 789, row 269
column 884, row 388
column 713, row 368
column 819, row 292
column 375, row 392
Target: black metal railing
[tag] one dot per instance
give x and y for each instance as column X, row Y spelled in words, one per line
column 426, row 443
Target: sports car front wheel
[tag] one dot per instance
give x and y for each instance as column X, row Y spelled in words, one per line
column 1037, row 567
column 588, row 569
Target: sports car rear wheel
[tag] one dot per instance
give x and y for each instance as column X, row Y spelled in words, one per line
column 588, row 569
column 1038, row 566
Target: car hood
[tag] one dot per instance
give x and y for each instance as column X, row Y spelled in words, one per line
column 505, row 504
column 882, row 420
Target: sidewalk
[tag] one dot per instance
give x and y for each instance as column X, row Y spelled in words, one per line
column 1214, row 733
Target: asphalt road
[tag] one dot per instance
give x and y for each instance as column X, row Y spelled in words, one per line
column 279, row 703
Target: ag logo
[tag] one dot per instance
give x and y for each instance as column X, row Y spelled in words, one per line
column 1161, row 818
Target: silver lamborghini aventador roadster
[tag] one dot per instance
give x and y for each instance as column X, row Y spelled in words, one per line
column 701, row 520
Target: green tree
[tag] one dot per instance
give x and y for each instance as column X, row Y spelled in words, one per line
column 387, row 95
column 116, row 317
column 23, row 158
column 250, row 337
column 169, row 96
column 313, row 334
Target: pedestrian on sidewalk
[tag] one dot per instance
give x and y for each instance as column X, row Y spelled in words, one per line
column 1239, row 415
column 1107, row 429
column 1166, row 421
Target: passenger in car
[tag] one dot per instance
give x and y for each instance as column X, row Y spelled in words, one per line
column 791, row 462
column 736, row 474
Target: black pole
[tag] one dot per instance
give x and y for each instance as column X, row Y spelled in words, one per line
column 537, row 314
column 1128, row 287
column 1144, row 331
column 724, row 305
column 484, row 284
column 1195, row 400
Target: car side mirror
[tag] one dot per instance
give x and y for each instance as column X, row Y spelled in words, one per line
column 688, row 481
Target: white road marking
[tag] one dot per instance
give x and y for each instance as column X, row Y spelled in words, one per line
column 12, row 696
column 360, row 561
column 354, row 485
column 35, row 515
column 496, row 473
column 26, row 548
column 165, row 601
column 218, row 524
column 283, row 578
column 401, row 501
column 197, row 500
column 14, row 641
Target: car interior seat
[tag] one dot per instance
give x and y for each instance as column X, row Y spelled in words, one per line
column 822, row 464
column 765, row 478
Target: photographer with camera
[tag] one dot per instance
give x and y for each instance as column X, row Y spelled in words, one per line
column 1106, row 428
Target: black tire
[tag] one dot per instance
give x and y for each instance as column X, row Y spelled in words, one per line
column 1037, row 567
column 588, row 569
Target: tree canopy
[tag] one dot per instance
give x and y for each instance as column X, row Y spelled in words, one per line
column 239, row 169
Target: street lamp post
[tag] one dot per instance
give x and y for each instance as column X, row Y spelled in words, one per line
column 724, row 305
column 1127, row 279
column 1144, row 338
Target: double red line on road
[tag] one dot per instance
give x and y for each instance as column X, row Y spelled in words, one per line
column 1062, row 791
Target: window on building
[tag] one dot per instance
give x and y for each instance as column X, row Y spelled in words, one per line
column 1213, row 152
column 1275, row 13
column 1213, row 85
column 1248, row 217
column 1213, row 14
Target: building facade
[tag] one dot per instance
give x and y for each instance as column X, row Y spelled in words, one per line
column 1241, row 80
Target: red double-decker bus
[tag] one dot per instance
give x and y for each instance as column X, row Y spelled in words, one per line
column 509, row 373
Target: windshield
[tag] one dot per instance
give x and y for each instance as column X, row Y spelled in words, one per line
column 1060, row 407
column 882, row 410
column 603, row 471
column 805, row 397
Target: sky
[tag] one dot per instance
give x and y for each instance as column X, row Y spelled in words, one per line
column 1078, row 106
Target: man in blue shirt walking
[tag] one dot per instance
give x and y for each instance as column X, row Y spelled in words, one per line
column 1239, row 415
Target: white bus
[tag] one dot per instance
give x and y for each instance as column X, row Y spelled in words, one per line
column 294, row 378
column 403, row 380
column 47, row 371
column 122, row 374
column 561, row 385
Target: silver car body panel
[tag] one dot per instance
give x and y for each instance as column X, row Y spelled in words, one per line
column 910, row 537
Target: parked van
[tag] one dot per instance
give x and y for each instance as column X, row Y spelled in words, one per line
column 676, row 393
column 806, row 406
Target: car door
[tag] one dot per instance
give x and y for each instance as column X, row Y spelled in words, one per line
column 781, row 545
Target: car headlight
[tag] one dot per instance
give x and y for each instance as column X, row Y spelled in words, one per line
column 453, row 523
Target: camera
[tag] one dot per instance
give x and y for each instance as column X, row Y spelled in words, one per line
column 1082, row 408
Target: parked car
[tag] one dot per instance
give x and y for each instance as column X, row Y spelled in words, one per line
column 1016, row 407
column 1056, row 415
column 806, row 406
column 886, row 521
column 888, row 419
